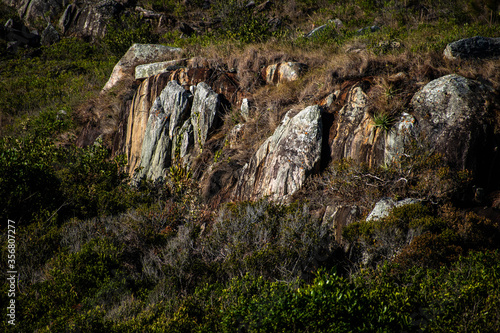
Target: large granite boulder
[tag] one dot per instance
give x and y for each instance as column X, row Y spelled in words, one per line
column 280, row 165
column 138, row 54
column 452, row 114
column 473, row 48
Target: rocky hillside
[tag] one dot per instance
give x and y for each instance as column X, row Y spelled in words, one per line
column 252, row 165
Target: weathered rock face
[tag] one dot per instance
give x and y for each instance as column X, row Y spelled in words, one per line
column 354, row 135
column 167, row 114
column 30, row 10
column 280, row 165
column 204, row 114
column 147, row 70
column 67, row 17
column 92, row 19
column 449, row 115
column 451, row 112
column 283, row 72
column 177, row 128
column 155, row 157
column 137, row 116
column 473, row 48
column 138, row 54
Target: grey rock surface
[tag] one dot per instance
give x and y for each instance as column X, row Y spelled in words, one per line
column 473, row 48
column 451, row 112
column 205, row 113
column 147, row 70
column 280, row 165
column 138, row 54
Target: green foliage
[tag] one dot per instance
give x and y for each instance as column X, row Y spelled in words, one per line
column 383, row 122
column 54, row 304
column 414, row 235
column 241, row 23
column 460, row 297
column 41, row 180
column 125, row 31
column 269, row 240
column 60, row 77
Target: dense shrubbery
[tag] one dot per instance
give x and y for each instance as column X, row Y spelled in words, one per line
column 40, row 180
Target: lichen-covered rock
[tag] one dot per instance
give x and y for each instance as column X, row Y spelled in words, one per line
column 205, row 113
column 452, row 114
column 138, row 54
column 449, row 115
column 147, row 70
column 137, row 116
column 169, row 110
column 155, row 152
column 283, row 72
column 473, row 48
column 280, row 165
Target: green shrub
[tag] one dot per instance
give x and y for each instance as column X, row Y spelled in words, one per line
column 125, row 31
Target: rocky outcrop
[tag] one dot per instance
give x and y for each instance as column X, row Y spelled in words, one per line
column 136, row 118
column 283, row 72
column 31, row 10
column 449, row 115
column 280, row 165
column 473, row 48
column 67, row 17
column 452, row 114
column 178, row 126
column 168, row 112
column 138, row 54
column 50, row 35
column 92, row 19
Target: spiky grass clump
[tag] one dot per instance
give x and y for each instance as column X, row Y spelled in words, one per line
column 383, row 121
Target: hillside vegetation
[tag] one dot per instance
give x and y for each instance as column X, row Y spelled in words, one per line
column 96, row 252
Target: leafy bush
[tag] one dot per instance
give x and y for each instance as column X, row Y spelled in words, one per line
column 41, row 180
column 59, row 78
column 241, row 23
column 125, row 31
